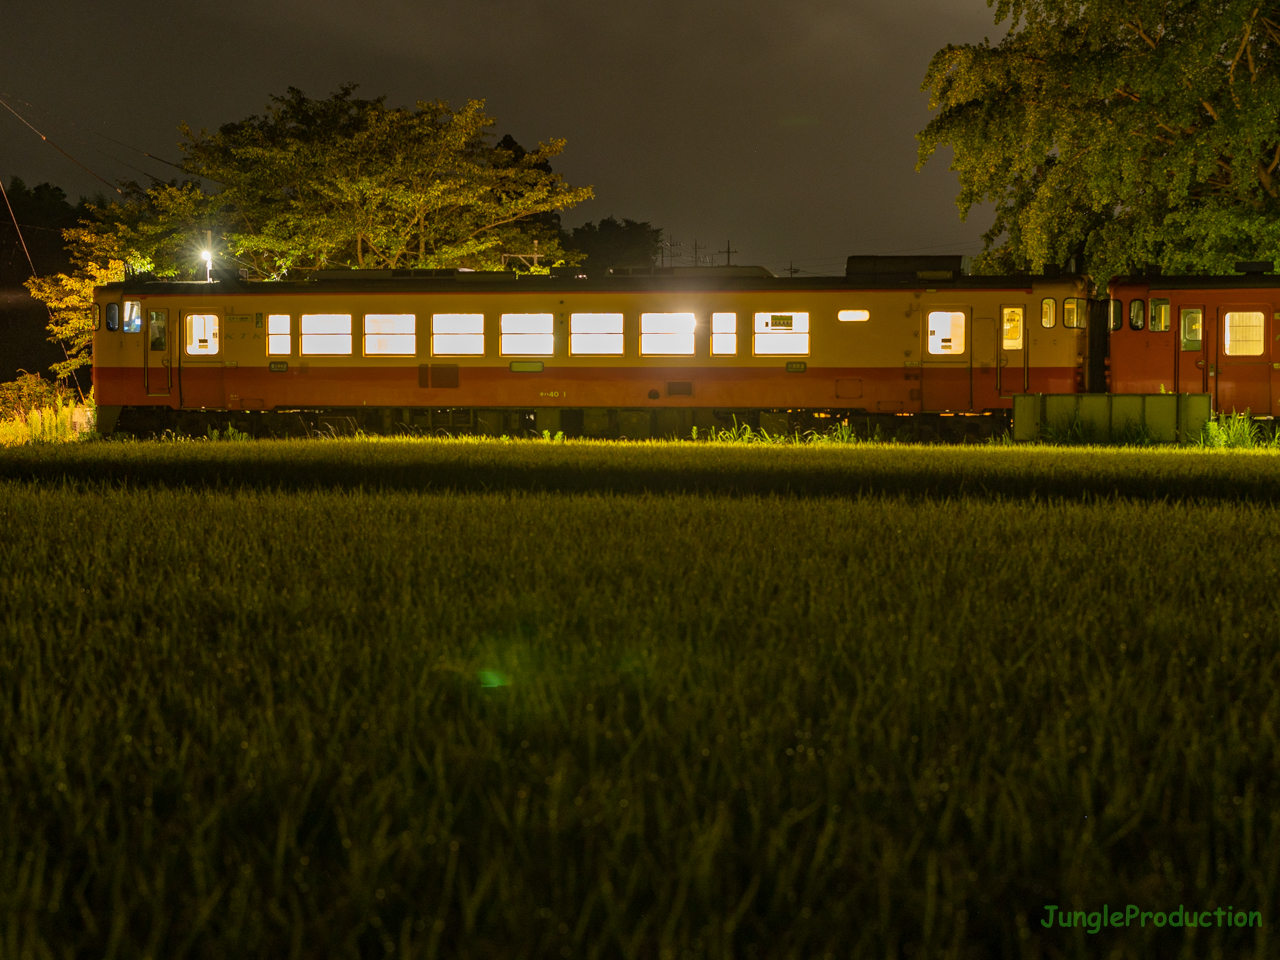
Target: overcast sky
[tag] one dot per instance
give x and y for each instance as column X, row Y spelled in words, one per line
column 787, row 128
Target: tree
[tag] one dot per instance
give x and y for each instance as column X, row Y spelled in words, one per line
column 1124, row 133
column 349, row 182
column 340, row 182
column 610, row 243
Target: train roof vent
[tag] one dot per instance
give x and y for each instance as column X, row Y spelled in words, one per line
column 450, row 273
column 1255, row 267
column 731, row 271
column 905, row 268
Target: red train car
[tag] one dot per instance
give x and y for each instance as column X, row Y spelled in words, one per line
column 1215, row 335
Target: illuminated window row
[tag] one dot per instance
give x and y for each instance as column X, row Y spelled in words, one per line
column 533, row 334
column 462, row 334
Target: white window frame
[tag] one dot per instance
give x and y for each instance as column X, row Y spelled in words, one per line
column 390, row 335
column 667, row 334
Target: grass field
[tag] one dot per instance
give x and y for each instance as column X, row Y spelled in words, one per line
column 538, row 700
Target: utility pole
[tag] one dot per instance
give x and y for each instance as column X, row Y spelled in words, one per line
column 791, row 270
column 696, row 261
column 728, row 252
column 668, row 251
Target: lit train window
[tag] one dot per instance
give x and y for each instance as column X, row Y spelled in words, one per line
column 946, row 332
column 201, row 334
column 595, row 334
column 132, row 316
column 527, row 334
column 1047, row 318
column 724, row 334
column 1161, row 316
column 1074, row 312
column 1011, row 327
column 1242, row 333
column 390, row 334
column 666, row 334
column 457, row 335
column 158, row 329
column 1137, row 314
column 1116, row 321
column 781, row 334
column 326, row 334
column 1192, row 326
column 279, row 338
column 113, row 317
column 854, row 316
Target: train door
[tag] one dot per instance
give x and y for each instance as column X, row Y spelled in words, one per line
column 1191, row 371
column 1013, row 350
column 986, row 388
column 944, row 369
column 158, row 344
column 201, row 361
column 1244, row 358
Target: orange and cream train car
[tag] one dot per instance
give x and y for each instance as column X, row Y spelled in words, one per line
column 1214, row 335
column 641, row 354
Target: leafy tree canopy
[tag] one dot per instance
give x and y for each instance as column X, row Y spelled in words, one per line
column 1125, row 132
column 612, row 243
column 350, row 182
column 313, row 184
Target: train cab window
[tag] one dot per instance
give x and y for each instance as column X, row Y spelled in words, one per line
column 1161, row 316
column 326, row 334
column 457, row 335
column 1048, row 310
column 158, row 329
column 113, row 317
column 201, row 334
column 781, row 334
column 1191, row 325
column 1011, row 327
column 279, row 335
column 1075, row 310
column 132, row 316
column 527, row 334
column 854, row 316
column 1115, row 315
column 724, row 334
column 1242, row 333
column 1137, row 314
column 595, row 334
column 390, row 334
column 946, row 332
column 666, row 334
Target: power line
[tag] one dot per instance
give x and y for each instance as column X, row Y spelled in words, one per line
column 59, row 149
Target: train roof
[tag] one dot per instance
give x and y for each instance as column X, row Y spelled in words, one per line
column 562, row 281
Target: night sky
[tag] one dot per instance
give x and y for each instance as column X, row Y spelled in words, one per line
column 786, row 128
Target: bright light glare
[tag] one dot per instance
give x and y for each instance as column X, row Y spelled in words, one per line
column 206, row 256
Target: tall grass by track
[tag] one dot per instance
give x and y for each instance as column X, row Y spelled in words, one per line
column 483, row 465
column 254, row 723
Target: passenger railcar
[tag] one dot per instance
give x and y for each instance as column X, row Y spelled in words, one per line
column 1214, row 335
column 646, row 352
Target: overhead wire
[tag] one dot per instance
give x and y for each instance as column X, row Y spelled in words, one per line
column 31, row 263
column 60, row 150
